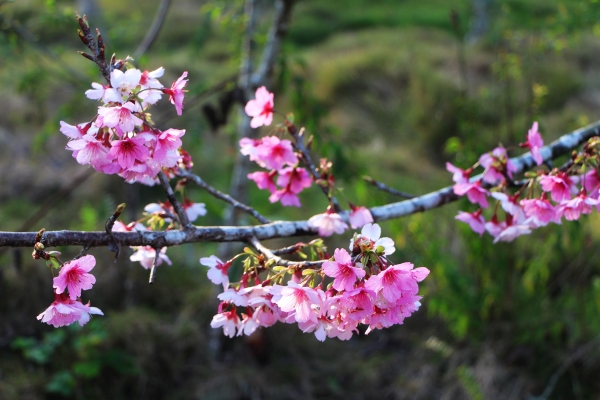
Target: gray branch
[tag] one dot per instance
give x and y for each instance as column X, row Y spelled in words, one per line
column 280, row 229
column 222, row 196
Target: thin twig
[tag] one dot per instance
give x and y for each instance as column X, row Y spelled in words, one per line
column 152, row 33
column 289, row 249
column 183, row 218
column 280, row 261
column 563, row 368
column 385, row 188
column 96, row 46
column 154, row 264
column 222, row 196
column 298, row 144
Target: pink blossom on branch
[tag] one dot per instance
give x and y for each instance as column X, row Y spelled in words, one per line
column 75, row 277
column 496, row 164
column 459, row 175
column 535, row 143
column 146, row 254
column 572, row 209
column 261, row 108
column 121, row 116
column 343, row 270
column 176, row 92
column 359, row 216
column 274, row 153
column 64, row 311
column 475, row 193
column 328, row 223
column 561, row 186
column 475, row 220
column 264, row 180
column 217, row 270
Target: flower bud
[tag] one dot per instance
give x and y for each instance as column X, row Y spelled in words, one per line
column 39, row 246
column 380, row 250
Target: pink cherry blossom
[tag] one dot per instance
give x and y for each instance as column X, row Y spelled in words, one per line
column 370, row 239
column 264, row 180
column 146, row 254
column 64, row 311
column 535, row 143
column 261, row 108
column 459, row 175
column 125, row 82
column 294, row 178
column 73, row 132
column 474, row 220
column 248, row 325
column 572, row 209
column 299, row 299
column 98, row 92
column 217, row 270
column 274, row 153
column 395, row 281
column 74, row 276
column 495, row 227
column 151, row 87
column 327, row 223
column 234, row 296
column 509, row 204
column 358, row 303
column 359, row 216
column 560, row 186
column 343, row 270
column 475, row 193
column 540, row 211
column 88, row 150
column 286, row 197
column 511, row 232
column 121, row 116
column 248, row 147
column 128, row 150
column 496, row 164
column 176, row 93
column 591, row 181
column 194, row 210
column 229, row 320
column 167, row 141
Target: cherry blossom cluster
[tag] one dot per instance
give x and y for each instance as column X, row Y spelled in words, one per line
column 354, row 287
column 547, row 196
column 67, row 307
column 121, row 138
column 156, row 215
column 284, row 178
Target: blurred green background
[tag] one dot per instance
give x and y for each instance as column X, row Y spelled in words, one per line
column 389, row 88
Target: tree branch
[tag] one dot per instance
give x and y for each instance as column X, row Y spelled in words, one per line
column 281, row 229
column 222, row 196
column 152, row 33
column 183, row 218
column 280, row 261
column 385, row 188
column 283, row 12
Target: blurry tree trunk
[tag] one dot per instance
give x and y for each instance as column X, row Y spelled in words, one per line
column 480, row 23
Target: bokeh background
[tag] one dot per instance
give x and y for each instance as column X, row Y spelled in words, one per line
column 390, row 89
